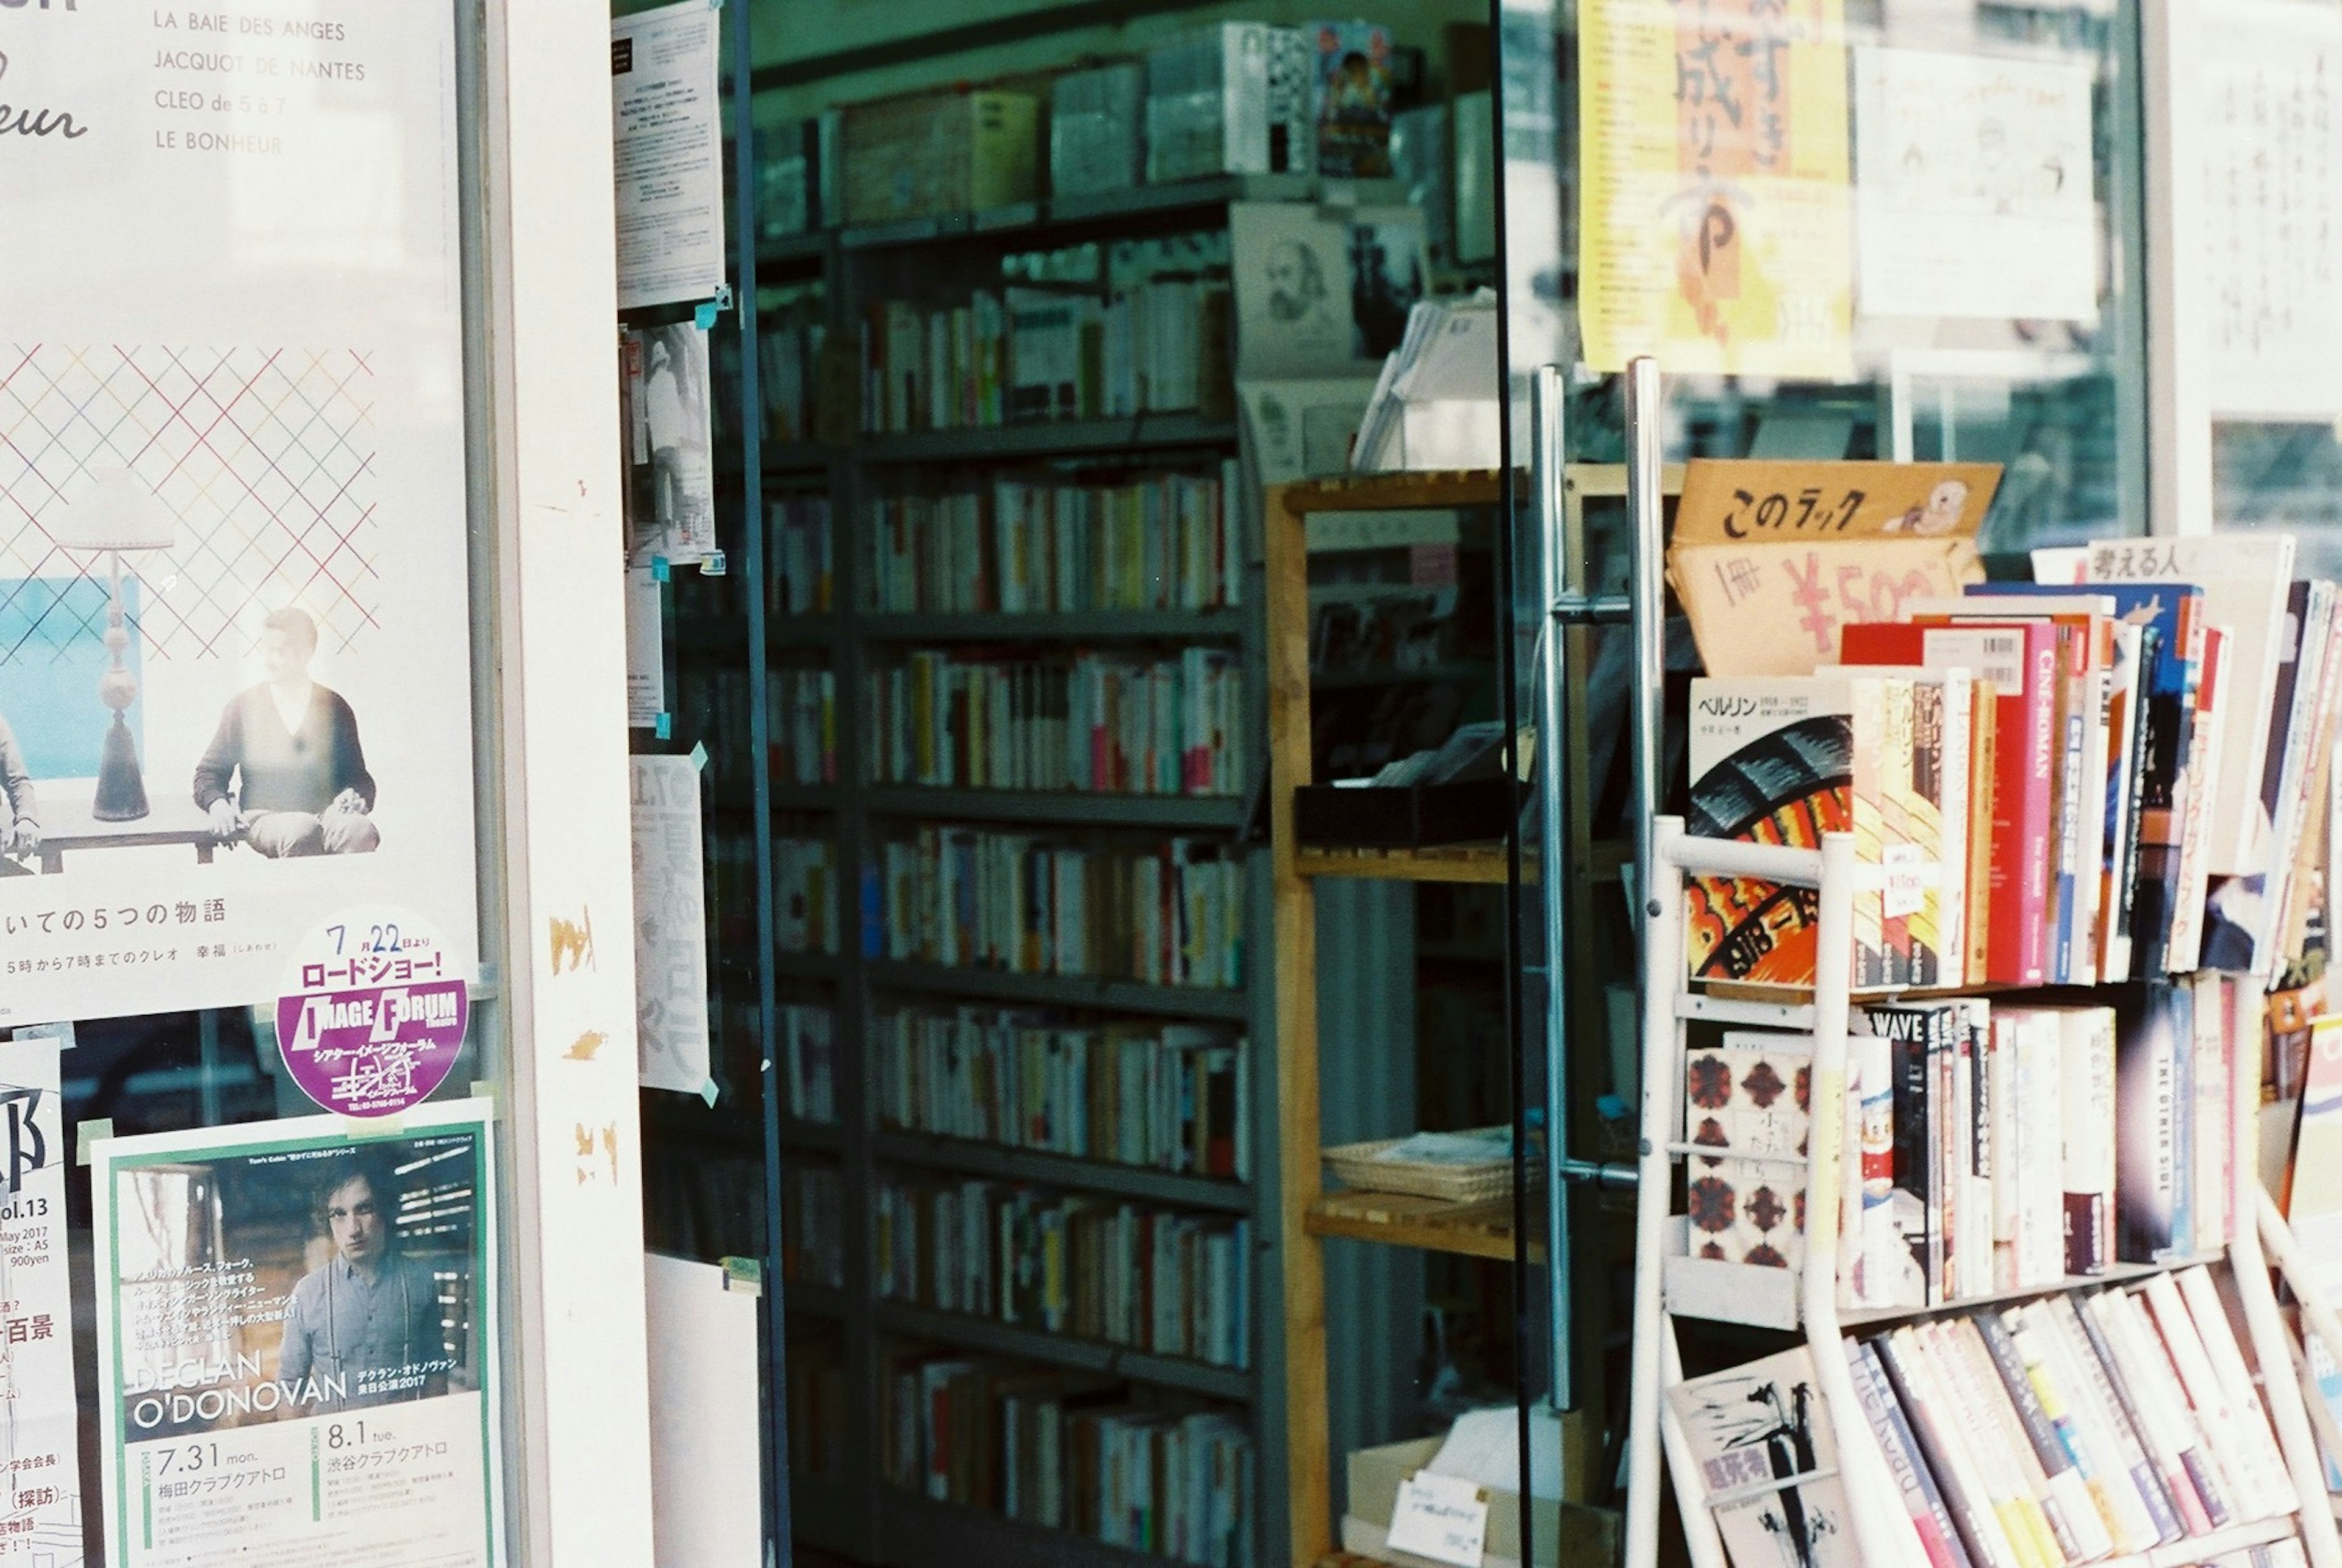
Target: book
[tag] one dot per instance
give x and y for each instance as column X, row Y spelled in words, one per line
column 2110, row 1404
column 1765, row 1423
column 2199, row 786
column 1922, row 1499
column 2229, row 1430
column 2081, row 1531
column 1926, row 822
column 2119, row 1328
column 1350, row 99
column 2087, row 1167
column 2103, row 1462
column 1748, row 1096
column 1783, row 760
column 2155, row 1116
column 2019, row 659
column 2246, row 578
column 1918, row 1038
column 1966, row 1496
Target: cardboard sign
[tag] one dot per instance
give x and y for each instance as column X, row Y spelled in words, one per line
column 1771, row 559
column 1442, row 1517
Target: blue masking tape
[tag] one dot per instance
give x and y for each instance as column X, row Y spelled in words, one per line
column 699, row 755
column 665, row 729
column 660, row 571
column 707, row 1093
column 706, row 315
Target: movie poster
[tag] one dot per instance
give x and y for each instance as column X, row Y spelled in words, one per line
column 235, row 690
column 298, row 1332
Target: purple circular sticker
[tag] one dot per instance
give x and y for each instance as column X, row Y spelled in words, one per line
column 372, row 1014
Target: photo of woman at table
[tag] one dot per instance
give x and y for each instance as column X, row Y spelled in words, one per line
column 20, row 825
column 286, row 772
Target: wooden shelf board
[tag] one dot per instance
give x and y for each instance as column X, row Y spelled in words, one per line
column 1474, row 862
column 1483, row 1230
column 1424, row 491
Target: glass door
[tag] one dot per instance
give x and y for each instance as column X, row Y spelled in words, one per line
column 1808, row 231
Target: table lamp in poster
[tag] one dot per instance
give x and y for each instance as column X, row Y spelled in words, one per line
column 297, row 1343
column 40, row 1422
column 236, row 688
column 1715, row 220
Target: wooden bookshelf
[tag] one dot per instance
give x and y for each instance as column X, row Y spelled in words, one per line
column 1481, row 1230
column 1459, row 864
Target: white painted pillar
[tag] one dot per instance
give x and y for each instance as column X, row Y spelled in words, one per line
column 581, row 1475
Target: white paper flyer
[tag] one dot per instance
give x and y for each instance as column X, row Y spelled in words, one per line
column 670, row 154
column 670, row 925
column 40, row 1449
column 297, row 1344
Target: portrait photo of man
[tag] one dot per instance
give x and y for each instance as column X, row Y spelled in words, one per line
column 20, row 823
column 286, row 772
column 369, row 1315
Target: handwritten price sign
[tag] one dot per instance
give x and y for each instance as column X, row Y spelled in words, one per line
column 1771, row 559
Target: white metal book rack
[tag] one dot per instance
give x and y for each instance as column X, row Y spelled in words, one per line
column 1669, row 1283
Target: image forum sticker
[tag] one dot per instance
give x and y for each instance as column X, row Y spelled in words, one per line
column 372, row 1013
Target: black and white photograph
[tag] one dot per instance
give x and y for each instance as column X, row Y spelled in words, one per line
column 670, row 474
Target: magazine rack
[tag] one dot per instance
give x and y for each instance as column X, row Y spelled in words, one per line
column 1671, row 1284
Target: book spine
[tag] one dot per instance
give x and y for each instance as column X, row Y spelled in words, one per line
column 2103, row 1392
column 1923, row 1500
column 2132, row 1352
column 1966, row 1496
column 2082, row 1533
column 2033, row 799
column 2088, row 1090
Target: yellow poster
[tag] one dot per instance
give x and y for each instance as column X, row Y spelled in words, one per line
column 1718, row 234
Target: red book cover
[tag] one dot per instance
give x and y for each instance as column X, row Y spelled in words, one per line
column 2020, row 658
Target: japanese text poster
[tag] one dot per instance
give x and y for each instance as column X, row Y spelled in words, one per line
column 1715, row 209
column 2272, row 228
column 298, row 1334
column 40, row 1424
column 670, row 159
column 236, row 669
column 670, row 925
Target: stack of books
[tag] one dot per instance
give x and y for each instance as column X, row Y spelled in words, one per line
column 1105, row 724
column 2062, row 1431
column 805, row 895
column 1156, row 1279
column 801, row 718
column 1032, row 545
column 1132, row 1092
column 813, row 1225
column 809, row 1060
column 2004, row 1145
column 1168, row 913
column 797, row 536
column 2067, row 782
column 1069, row 1451
column 792, row 330
column 1134, row 328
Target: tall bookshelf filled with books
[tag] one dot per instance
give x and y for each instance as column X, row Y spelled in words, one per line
column 1020, row 1057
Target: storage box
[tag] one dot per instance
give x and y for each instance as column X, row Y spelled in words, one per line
column 1568, row 1535
column 942, row 153
column 1095, row 146
column 1229, row 99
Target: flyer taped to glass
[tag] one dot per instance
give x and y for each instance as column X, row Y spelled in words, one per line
column 297, row 1343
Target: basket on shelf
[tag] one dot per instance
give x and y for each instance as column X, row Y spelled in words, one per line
column 1381, row 1166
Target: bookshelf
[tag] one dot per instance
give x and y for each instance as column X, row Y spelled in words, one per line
column 1870, row 1404
column 1309, row 1214
column 852, row 1508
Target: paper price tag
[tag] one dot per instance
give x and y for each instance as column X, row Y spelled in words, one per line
column 1442, row 1517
